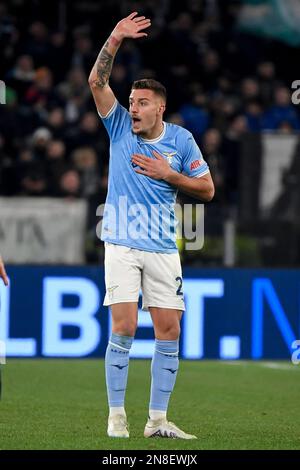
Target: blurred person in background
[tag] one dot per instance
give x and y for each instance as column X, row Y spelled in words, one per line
column 69, row 184
column 231, row 150
column 249, row 90
column 85, row 161
column 59, row 55
column 55, row 122
column 37, row 44
column 55, row 165
column 34, row 180
column 211, row 145
column 83, row 55
column 266, row 75
column 39, row 141
column 21, row 76
column 253, row 114
column 75, row 84
column 88, row 135
column 282, row 113
column 195, row 115
column 41, row 94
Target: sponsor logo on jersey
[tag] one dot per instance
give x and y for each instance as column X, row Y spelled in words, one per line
column 195, row 164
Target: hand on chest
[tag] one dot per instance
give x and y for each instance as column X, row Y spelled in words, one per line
column 168, row 153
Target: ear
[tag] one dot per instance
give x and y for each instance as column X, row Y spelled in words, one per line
column 162, row 108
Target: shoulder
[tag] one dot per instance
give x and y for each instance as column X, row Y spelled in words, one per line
column 178, row 131
column 116, row 109
column 183, row 138
column 116, row 121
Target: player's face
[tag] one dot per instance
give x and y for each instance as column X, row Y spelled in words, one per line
column 146, row 111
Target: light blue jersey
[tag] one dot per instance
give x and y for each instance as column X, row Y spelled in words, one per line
column 139, row 210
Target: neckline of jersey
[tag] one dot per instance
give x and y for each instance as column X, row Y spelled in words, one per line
column 157, row 139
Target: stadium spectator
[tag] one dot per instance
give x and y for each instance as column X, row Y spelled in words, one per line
column 211, row 147
column 267, row 81
column 59, row 55
column 39, row 141
column 83, row 55
column 22, row 76
column 69, row 184
column 85, row 161
column 37, row 45
column 282, row 113
column 33, row 180
column 249, row 90
column 253, row 114
column 74, row 85
column 56, row 164
column 231, row 149
column 195, row 116
column 56, row 123
column 41, row 94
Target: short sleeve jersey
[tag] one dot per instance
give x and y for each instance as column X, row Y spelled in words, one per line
column 139, row 210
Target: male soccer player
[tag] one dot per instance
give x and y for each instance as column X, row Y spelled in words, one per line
column 149, row 161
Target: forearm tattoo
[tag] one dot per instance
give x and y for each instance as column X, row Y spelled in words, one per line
column 104, row 66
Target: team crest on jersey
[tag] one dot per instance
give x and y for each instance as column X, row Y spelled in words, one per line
column 169, row 156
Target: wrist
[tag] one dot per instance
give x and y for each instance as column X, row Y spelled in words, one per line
column 116, row 38
column 171, row 177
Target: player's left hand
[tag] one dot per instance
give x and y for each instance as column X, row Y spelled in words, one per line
column 157, row 168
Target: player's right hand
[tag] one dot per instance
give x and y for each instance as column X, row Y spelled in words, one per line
column 131, row 27
column 3, row 274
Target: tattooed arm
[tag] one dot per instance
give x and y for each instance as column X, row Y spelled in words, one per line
column 129, row 27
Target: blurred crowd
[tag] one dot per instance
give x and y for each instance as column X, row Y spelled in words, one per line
column 221, row 84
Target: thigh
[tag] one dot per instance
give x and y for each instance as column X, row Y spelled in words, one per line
column 122, row 274
column 162, row 281
column 166, row 323
column 124, row 318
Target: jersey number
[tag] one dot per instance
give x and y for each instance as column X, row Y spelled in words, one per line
column 179, row 291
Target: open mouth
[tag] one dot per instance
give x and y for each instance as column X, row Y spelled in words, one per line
column 136, row 120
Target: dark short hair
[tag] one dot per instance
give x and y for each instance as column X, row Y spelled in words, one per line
column 150, row 84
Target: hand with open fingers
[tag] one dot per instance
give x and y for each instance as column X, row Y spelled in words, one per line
column 157, row 168
column 3, row 274
column 131, row 27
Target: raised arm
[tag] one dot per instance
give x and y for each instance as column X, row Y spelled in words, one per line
column 130, row 27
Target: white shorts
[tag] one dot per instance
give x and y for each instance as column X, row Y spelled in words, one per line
column 128, row 270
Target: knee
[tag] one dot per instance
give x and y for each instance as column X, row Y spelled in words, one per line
column 125, row 328
column 169, row 332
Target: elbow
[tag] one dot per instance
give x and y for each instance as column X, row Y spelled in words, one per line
column 95, row 83
column 209, row 193
column 91, row 81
